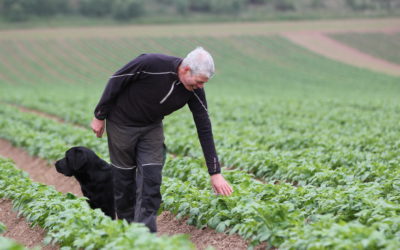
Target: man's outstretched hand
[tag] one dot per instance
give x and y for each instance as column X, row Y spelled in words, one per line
column 97, row 127
column 220, row 185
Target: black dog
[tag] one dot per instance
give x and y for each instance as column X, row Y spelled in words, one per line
column 93, row 174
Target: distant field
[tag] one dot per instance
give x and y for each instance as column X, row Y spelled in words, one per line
column 381, row 45
column 313, row 143
column 252, row 14
column 206, row 29
column 251, row 65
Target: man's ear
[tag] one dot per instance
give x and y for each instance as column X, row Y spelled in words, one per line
column 187, row 69
column 184, row 69
column 76, row 158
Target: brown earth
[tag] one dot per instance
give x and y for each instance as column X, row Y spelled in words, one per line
column 322, row 44
column 20, row 230
column 41, row 171
column 38, row 169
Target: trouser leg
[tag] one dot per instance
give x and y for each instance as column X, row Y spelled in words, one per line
column 150, row 153
column 121, row 144
column 124, row 193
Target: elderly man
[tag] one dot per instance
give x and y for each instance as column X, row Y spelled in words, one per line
column 134, row 103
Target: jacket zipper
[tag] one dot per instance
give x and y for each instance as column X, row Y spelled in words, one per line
column 170, row 92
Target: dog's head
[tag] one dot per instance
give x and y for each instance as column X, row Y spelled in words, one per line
column 75, row 160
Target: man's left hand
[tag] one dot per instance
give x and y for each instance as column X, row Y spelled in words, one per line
column 220, row 185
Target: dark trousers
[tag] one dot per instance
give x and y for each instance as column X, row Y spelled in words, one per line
column 137, row 157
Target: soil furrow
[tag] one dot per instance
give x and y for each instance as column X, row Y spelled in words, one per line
column 20, row 230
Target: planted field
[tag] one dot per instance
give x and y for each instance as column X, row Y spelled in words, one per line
column 310, row 145
column 385, row 46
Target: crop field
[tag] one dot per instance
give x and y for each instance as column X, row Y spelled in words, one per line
column 310, row 145
column 380, row 45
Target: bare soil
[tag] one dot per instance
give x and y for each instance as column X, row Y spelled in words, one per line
column 20, row 230
column 42, row 171
column 322, row 44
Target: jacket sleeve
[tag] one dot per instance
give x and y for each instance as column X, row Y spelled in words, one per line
column 198, row 106
column 116, row 83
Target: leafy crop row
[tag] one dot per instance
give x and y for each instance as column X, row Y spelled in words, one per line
column 71, row 222
column 316, row 144
column 44, row 137
column 279, row 213
column 259, row 211
column 328, row 147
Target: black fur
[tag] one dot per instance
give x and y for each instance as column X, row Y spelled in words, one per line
column 93, row 174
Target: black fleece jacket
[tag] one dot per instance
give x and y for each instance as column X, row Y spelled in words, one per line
column 147, row 89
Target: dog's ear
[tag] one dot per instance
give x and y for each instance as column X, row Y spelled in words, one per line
column 76, row 158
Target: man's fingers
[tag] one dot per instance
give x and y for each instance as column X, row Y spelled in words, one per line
column 217, row 190
column 224, row 192
column 223, row 189
column 227, row 190
column 99, row 133
column 98, row 127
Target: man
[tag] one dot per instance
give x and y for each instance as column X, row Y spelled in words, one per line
column 134, row 103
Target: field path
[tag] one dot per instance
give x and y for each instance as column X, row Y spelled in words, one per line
column 322, row 44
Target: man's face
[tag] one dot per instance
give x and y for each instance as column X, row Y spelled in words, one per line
column 191, row 81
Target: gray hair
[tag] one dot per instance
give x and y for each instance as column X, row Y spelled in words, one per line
column 200, row 62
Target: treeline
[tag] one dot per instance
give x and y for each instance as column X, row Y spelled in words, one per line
column 22, row 10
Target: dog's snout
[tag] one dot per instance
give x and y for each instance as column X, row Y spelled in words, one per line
column 62, row 167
